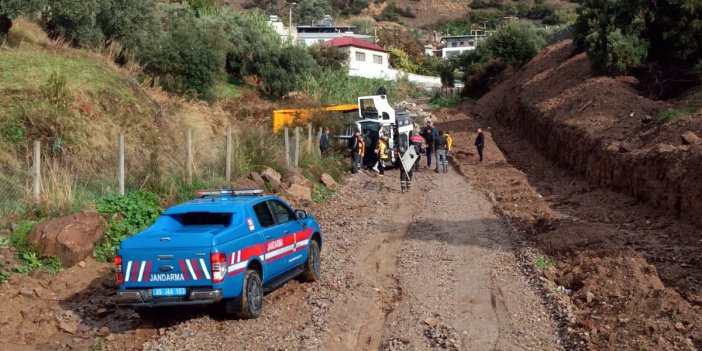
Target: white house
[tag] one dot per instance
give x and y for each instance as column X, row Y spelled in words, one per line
column 457, row 44
column 365, row 59
column 286, row 33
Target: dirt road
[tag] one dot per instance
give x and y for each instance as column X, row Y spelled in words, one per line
column 434, row 268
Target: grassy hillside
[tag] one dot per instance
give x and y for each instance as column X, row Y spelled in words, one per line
column 76, row 103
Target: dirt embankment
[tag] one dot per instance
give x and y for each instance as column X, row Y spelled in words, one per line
column 602, row 128
column 630, row 272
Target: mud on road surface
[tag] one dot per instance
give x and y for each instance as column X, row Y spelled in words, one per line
column 434, row 268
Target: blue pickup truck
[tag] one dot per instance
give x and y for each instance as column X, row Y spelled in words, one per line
column 227, row 246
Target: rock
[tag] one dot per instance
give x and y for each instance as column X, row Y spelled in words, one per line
column 646, row 119
column 300, row 193
column 104, row 331
column 679, row 326
column 299, row 180
column 257, row 178
column 431, row 321
column 272, row 177
column 625, row 147
column 70, row 327
column 26, row 291
column 81, row 264
column 589, row 297
column 71, row 238
column 328, row 181
column 689, row 138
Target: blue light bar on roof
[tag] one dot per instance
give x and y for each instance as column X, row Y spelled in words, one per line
column 230, row 192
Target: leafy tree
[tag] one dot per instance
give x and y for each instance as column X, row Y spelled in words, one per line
column 75, row 21
column 461, row 26
column 514, row 44
column 283, row 71
column 179, row 52
column 10, row 9
column 628, row 33
column 122, row 19
column 308, row 11
column 329, row 57
column 400, row 60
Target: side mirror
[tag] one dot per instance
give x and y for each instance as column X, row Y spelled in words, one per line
column 301, row 214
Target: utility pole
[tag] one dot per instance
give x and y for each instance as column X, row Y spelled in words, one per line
column 290, row 22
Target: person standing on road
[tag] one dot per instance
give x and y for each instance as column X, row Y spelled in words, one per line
column 382, row 152
column 428, row 135
column 416, row 140
column 324, row 143
column 480, row 143
column 441, row 152
column 356, row 148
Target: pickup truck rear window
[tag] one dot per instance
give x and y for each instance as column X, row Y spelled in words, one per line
column 204, row 218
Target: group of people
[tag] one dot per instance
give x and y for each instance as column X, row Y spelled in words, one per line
column 434, row 142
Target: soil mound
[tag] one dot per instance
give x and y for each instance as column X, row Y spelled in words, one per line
column 602, row 128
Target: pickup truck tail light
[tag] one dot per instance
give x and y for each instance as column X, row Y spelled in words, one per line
column 118, row 270
column 219, row 266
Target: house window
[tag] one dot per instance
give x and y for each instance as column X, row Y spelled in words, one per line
column 377, row 59
column 361, row 56
column 461, row 43
column 454, row 44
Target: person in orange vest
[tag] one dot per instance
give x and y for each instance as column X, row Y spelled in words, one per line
column 382, row 152
column 357, row 148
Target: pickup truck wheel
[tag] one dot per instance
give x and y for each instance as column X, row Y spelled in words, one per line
column 251, row 295
column 312, row 271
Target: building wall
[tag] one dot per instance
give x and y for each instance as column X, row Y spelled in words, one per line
column 375, row 64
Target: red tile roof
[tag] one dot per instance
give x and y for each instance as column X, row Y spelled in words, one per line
column 351, row 41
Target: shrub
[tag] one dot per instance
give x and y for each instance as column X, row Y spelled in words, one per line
column 400, row 60
column 126, row 215
column 481, row 77
column 309, row 10
column 74, row 20
column 623, row 35
column 350, row 7
column 392, row 13
column 10, row 9
column 514, row 44
column 329, row 57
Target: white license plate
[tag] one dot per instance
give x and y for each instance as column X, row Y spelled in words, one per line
column 161, row 292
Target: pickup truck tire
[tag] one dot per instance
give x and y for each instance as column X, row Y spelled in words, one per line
column 312, row 271
column 251, row 296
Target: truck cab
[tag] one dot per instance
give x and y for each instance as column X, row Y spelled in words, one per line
column 375, row 118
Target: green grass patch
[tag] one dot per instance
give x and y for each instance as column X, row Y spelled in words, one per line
column 672, row 114
column 333, row 87
column 438, row 101
column 543, row 263
column 126, row 216
column 28, row 68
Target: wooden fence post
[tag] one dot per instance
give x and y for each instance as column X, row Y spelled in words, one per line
column 228, row 161
column 37, row 171
column 297, row 147
column 309, row 137
column 287, row 147
column 189, row 166
column 120, row 164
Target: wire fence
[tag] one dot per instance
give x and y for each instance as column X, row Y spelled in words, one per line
column 58, row 183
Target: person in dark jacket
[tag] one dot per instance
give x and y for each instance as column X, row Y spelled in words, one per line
column 324, row 143
column 480, row 143
column 441, row 152
column 356, row 149
column 428, row 135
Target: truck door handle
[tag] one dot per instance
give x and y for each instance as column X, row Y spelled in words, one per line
column 286, row 231
column 268, row 237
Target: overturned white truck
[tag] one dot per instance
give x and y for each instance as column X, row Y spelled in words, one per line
column 375, row 118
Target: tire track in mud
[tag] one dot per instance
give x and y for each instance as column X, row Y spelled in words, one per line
column 359, row 322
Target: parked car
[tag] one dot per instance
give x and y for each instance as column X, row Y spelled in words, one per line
column 227, row 246
column 458, row 83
